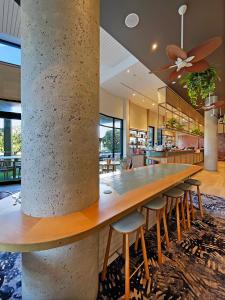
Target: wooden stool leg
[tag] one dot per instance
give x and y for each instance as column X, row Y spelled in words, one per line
column 166, row 229
column 192, row 207
column 187, row 209
column 178, row 220
column 171, row 206
column 136, row 241
column 124, row 249
column 182, row 214
column 158, row 237
column 144, row 252
column 138, row 233
column 167, row 205
column 103, row 276
column 147, row 219
column 127, row 268
column 200, row 202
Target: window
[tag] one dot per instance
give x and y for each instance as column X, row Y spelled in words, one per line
column 110, row 137
column 10, row 53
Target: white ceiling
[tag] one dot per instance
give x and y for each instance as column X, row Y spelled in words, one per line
column 9, row 21
column 124, row 76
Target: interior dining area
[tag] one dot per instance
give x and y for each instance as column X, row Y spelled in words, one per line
column 112, row 149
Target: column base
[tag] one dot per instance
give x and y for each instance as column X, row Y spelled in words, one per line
column 69, row 272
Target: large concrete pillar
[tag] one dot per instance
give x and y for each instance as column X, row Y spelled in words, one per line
column 211, row 138
column 60, row 92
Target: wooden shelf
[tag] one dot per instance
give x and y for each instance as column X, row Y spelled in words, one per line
column 22, row 233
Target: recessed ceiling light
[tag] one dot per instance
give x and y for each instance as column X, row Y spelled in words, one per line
column 132, row 20
column 133, row 94
column 128, row 71
column 153, row 104
column 154, row 46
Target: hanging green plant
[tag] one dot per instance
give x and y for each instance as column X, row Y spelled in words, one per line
column 171, row 122
column 179, row 126
column 200, row 85
column 197, row 131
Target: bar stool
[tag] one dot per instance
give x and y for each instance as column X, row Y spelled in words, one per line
column 131, row 223
column 187, row 191
column 177, row 195
column 159, row 205
column 197, row 183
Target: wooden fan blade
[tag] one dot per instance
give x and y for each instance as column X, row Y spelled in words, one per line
column 219, row 104
column 173, row 52
column 205, row 49
column 166, row 67
column 215, row 105
column 199, row 66
column 173, row 75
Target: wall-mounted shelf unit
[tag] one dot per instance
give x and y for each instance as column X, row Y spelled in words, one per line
column 138, row 141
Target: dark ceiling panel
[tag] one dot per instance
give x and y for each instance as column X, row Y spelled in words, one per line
column 160, row 22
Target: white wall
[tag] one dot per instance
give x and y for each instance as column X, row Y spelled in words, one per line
column 111, row 105
column 138, row 117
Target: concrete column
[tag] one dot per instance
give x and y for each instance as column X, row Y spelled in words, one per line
column 60, row 92
column 211, row 138
column 7, row 137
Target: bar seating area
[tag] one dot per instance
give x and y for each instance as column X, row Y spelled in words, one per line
column 112, row 150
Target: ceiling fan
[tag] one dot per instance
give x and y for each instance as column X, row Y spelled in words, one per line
column 216, row 105
column 189, row 61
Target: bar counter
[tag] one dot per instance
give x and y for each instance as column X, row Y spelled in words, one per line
column 179, row 156
column 120, row 194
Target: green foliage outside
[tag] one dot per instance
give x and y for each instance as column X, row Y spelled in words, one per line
column 1, row 141
column 16, row 141
column 107, row 140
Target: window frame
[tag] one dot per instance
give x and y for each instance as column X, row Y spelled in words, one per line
column 113, row 128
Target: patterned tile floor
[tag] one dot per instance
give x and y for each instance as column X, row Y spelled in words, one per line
column 193, row 268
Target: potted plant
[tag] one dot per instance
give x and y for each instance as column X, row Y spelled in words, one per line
column 197, row 131
column 179, row 126
column 200, row 85
column 171, row 123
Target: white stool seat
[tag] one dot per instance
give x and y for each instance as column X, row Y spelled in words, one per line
column 156, row 203
column 184, row 186
column 193, row 181
column 174, row 193
column 129, row 223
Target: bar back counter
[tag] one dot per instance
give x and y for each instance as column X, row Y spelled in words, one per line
column 179, row 156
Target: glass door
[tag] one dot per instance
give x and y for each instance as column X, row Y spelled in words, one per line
column 10, row 150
